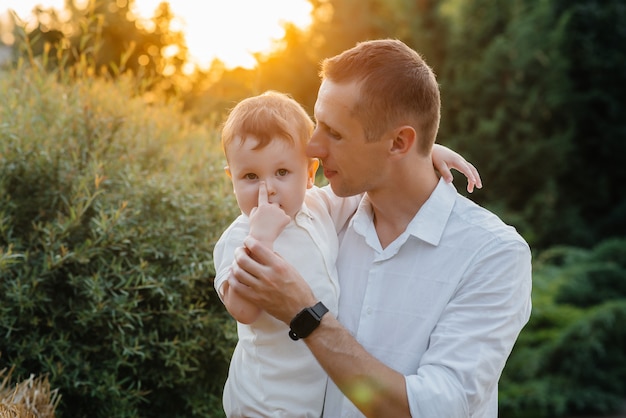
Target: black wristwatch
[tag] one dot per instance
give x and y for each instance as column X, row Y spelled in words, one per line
column 306, row 321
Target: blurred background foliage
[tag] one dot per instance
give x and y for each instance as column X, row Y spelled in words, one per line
column 112, row 193
column 109, row 209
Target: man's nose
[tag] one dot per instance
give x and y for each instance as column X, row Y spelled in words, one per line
column 315, row 147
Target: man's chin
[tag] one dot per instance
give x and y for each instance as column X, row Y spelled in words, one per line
column 340, row 191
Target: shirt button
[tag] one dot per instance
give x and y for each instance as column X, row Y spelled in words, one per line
column 369, row 311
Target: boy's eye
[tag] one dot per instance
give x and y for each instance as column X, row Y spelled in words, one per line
column 282, row 172
column 250, row 176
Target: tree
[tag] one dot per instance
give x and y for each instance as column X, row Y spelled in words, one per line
column 593, row 182
column 571, row 357
column 105, row 38
column 505, row 93
column 532, row 92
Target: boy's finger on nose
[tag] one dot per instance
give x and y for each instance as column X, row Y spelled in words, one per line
column 262, row 193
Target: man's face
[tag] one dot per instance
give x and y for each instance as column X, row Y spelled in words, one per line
column 282, row 165
column 351, row 164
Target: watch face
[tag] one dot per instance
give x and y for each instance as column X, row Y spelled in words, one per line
column 303, row 324
column 306, row 321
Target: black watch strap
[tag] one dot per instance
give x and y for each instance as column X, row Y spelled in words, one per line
column 305, row 322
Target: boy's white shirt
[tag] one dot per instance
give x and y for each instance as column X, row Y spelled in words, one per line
column 271, row 375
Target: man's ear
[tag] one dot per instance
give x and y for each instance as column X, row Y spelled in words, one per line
column 311, row 170
column 227, row 171
column 403, row 141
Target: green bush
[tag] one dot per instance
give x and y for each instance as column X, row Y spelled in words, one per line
column 109, row 210
column 571, row 357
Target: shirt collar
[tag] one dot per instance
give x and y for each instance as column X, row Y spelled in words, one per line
column 304, row 214
column 429, row 222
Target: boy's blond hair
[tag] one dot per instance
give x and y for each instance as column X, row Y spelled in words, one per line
column 267, row 116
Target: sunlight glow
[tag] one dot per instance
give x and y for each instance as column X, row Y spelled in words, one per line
column 232, row 30
column 229, row 30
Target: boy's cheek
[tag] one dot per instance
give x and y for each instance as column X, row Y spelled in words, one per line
column 246, row 200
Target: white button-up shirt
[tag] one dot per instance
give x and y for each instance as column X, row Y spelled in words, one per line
column 443, row 304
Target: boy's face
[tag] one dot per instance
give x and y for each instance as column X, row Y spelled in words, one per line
column 282, row 165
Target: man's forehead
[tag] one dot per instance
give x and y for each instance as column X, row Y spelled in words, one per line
column 336, row 97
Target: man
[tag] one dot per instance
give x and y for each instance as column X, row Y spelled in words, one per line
column 434, row 289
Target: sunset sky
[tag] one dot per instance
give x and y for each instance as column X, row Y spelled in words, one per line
column 229, row 30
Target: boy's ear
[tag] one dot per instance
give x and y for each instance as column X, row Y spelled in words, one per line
column 314, row 163
column 403, row 140
column 227, row 171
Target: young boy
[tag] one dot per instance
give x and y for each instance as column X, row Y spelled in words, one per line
column 264, row 141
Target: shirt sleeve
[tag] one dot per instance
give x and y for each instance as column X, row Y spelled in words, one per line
column 224, row 251
column 475, row 334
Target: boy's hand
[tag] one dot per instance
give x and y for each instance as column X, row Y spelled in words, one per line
column 267, row 220
column 444, row 159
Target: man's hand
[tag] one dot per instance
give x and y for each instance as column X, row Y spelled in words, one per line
column 263, row 277
column 267, row 220
column 271, row 283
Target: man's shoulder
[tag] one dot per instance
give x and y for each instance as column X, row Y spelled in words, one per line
column 469, row 216
column 458, row 221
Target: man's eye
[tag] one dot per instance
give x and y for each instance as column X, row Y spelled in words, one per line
column 334, row 134
column 250, row 176
column 327, row 130
column 282, row 172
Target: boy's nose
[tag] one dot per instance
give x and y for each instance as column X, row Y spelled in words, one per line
column 271, row 190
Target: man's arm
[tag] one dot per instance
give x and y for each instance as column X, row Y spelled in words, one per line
column 466, row 353
column 275, row 286
column 374, row 388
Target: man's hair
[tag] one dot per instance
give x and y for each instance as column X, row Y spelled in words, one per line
column 267, row 116
column 396, row 87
